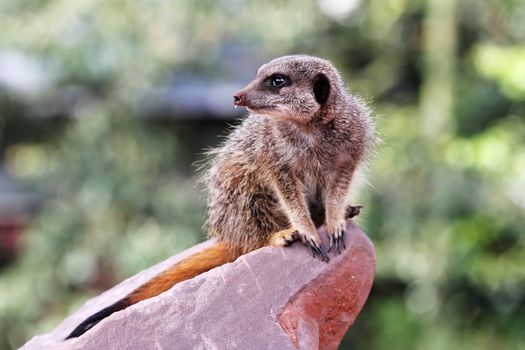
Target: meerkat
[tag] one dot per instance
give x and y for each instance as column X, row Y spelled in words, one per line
column 286, row 170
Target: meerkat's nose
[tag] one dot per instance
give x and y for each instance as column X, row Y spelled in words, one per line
column 238, row 98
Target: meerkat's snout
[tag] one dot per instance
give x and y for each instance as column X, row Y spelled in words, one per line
column 238, row 99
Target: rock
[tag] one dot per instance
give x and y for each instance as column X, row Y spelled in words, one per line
column 272, row 298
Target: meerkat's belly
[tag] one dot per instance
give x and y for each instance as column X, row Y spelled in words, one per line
column 314, row 191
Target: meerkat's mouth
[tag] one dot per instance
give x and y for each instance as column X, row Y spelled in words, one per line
column 259, row 109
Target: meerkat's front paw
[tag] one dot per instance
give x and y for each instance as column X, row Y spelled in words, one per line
column 336, row 235
column 314, row 243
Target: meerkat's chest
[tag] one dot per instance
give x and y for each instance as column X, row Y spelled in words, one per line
column 311, row 169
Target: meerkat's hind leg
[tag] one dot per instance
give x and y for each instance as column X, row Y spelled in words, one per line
column 352, row 211
column 284, row 238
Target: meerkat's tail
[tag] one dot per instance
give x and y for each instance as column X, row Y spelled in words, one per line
column 192, row 266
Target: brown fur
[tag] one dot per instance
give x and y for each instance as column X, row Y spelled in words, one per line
column 284, row 171
column 194, row 265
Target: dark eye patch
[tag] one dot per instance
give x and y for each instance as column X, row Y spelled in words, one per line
column 277, row 81
column 321, row 88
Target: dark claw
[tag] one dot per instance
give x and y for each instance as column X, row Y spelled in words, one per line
column 337, row 241
column 317, row 250
column 312, row 249
column 341, row 240
column 325, row 254
column 333, row 242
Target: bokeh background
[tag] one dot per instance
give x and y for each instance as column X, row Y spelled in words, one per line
column 106, row 104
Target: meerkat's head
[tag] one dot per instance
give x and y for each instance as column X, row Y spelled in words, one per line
column 296, row 87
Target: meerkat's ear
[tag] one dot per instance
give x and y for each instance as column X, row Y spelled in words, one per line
column 321, row 88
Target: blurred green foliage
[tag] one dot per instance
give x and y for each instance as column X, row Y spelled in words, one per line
column 446, row 205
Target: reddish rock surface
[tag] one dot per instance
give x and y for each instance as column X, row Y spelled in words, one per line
column 272, row 298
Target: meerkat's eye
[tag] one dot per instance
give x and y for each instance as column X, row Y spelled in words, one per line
column 277, row 81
